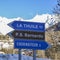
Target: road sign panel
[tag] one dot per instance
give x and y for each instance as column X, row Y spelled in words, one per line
column 30, row 44
column 23, row 25
column 28, row 35
column 20, row 34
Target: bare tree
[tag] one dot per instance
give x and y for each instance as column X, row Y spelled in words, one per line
column 54, row 40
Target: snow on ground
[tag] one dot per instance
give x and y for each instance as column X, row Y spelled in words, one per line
column 15, row 57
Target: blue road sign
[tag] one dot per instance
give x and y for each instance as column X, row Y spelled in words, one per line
column 23, row 25
column 27, row 33
column 30, row 44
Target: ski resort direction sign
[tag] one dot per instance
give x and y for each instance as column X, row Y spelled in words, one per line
column 28, row 26
column 29, row 35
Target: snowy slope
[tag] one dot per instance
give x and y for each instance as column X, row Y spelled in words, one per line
column 15, row 57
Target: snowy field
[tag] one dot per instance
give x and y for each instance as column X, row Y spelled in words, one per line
column 15, row 57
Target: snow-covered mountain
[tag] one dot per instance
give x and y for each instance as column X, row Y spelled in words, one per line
column 4, row 28
column 44, row 18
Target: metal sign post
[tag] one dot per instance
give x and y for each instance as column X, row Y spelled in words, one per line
column 19, row 54
column 34, row 54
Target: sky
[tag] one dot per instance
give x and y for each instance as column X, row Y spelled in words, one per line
column 26, row 9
